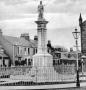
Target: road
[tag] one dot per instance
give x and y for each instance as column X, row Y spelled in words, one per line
column 70, row 86
column 82, row 88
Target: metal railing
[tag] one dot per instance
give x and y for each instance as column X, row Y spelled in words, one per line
column 36, row 74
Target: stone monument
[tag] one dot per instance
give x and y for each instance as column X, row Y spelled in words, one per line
column 43, row 61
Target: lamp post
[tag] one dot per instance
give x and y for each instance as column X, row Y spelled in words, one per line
column 82, row 61
column 76, row 36
column 36, row 73
column 82, row 64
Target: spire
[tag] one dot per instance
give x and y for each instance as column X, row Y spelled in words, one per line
column 80, row 19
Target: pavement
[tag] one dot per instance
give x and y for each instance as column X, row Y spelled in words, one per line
column 54, row 86
column 68, row 86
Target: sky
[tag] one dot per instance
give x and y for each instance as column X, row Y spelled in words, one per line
column 19, row 16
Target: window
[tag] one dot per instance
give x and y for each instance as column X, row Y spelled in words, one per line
column 59, row 49
column 79, row 55
column 24, row 49
column 18, row 50
column 28, row 51
column 69, row 55
column 58, row 55
column 36, row 50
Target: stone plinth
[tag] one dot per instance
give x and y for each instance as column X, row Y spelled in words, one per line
column 43, row 68
column 44, row 74
column 42, row 60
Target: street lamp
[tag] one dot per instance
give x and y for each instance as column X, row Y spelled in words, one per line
column 82, row 61
column 76, row 36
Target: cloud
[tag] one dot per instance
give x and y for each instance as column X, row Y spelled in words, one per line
column 59, row 20
column 58, row 35
column 12, row 9
column 59, row 28
column 16, row 11
column 19, row 16
column 14, row 2
column 60, row 1
column 17, row 26
column 67, row 6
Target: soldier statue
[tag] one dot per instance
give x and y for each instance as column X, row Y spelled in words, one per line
column 40, row 10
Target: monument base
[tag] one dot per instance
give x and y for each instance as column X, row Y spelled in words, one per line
column 43, row 70
column 42, row 60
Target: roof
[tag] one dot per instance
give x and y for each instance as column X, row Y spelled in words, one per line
column 63, row 49
column 19, row 41
column 3, row 55
column 74, row 52
column 66, row 56
column 34, row 42
column 69, row 55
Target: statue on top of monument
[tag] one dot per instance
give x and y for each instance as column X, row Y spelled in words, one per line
column 40, row 10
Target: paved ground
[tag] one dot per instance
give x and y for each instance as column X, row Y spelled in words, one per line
column 68, row 86
column 71, row 86
column 82, row 88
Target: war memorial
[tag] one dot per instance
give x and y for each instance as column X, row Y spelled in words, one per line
column 38, row 69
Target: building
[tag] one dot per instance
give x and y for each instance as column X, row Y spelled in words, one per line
column 67, row 62
column 64, row 61
column 4, row 58
column 56, row 51
column 82, row 25
column 19, row 49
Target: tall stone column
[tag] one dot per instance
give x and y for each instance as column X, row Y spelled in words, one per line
column 42, row 58
column 41, row 30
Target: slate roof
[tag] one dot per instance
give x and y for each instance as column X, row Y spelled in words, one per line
column 2, row 53
column 63, row 49
column 20, row 41
column 69, row 55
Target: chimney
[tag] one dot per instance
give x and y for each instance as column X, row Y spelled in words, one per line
column 71, row 49
column 49, row 43
column 25, row 36
column 36, row 38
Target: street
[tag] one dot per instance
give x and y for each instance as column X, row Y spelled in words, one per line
column 70, row 86
column 82, row 88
